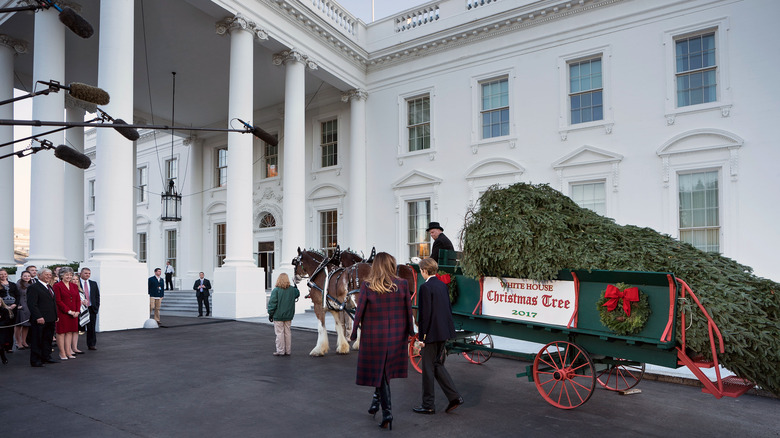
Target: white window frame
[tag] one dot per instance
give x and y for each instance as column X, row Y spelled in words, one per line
column 165, row 171
column 218, row 168
column 564, row 117
column 403, row 131
column 146, row 246
column 476, row 109
column 414, row 186
column 723, row 91
column 693, row 169
column 406, row 217
column 143, row 189
column 321, row 198
column 91, row 197
column 167, row 247
column 216, row 244
column 263, row 163
column 590, row 164
column 319, row 225
column 316, row 159
column 603, row 180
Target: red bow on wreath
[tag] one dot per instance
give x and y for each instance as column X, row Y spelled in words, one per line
column 629, row 295
column 445, row 278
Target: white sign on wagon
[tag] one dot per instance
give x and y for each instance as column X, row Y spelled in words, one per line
column 549, row 302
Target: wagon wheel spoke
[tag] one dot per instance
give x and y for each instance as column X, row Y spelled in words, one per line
column 626, row 375
column 479, row 356
column 564, row 374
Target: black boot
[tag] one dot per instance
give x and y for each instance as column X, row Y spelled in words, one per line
column 374, row 408
column 2, row 356
column 384, row 399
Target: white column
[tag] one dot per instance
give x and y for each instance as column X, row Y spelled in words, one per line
column 357, row 170
column 124, row 303
column 8, row 48
column 238, row 284
column 294, row 153
column 192, row 225
column 73, row 215
column 47, row 185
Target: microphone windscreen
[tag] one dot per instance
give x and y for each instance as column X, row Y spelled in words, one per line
column 72, row 156
column 128, row 133
column 76, row 23
column 266, row 137
column 89, row 93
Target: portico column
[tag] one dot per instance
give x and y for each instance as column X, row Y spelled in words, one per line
column 74, row 182
column 237, row 284
column 124, row 303
column 293, row 162
column 47, row 240
column 357, row 169
column 9, row 47
column 192, row 228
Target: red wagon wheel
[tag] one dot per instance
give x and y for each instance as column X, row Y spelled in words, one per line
column 563, row 373
column 479, row 356
column 414, row 354
column 621, row 375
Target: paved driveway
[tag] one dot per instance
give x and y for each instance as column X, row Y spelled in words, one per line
column 211, row 378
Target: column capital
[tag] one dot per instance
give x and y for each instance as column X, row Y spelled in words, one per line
column 73, row 103
column 294, row 55
column 18, row 46
column 354, row 94
column 239, row 22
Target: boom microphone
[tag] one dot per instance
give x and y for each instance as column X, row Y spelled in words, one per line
column 259, row 133
column 76, row 23
column 88, row 93
column 72, row 156
column 128, row 133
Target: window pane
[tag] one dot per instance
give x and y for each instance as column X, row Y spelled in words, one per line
column 419, row 217
column 698, row 210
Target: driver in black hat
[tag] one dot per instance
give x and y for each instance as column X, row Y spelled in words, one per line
column 440, row 241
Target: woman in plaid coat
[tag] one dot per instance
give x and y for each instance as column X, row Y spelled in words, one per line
column 384, row 316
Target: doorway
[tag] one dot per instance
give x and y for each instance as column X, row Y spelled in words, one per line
column 265, row 260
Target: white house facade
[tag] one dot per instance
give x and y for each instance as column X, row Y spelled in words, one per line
column 658, row 114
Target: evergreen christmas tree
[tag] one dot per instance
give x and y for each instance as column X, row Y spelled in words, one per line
column 533, row 231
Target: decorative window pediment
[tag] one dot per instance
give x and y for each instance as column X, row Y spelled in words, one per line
column 494, row 168
column 587, row 155
column 700, row 140
column 327, row 191
column 416, row 178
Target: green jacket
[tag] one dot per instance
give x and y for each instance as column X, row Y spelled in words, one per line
column 281, row 306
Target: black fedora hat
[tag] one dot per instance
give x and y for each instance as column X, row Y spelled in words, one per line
column 433, row 225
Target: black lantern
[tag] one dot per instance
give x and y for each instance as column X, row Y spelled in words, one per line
column 171, row 204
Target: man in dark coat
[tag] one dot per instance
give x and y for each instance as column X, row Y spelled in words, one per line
column 202, row 287
column 440, row 241
column 43, row 315
column 156, row 287
column 92, row 295
column 435, row 327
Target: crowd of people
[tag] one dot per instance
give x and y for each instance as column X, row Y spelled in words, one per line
column 42, row 304
column 44, row 307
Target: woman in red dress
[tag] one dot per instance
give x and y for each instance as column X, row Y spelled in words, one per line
column 68, row 304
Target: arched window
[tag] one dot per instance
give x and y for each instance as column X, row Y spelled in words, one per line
column 267, row 221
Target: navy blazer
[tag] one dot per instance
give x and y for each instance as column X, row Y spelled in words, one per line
column 156, row 288
column 41, row 303
column 434, row 312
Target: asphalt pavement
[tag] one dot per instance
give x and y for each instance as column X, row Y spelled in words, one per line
column 204, row 377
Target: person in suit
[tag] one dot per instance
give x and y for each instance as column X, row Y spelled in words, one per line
column 66, row 293
column 202, row 287
column 43, row 315
column 435, row 327
column 92, row 298
column 384, row 317
column 156, row 293
column 440, row 241
column 169, row 276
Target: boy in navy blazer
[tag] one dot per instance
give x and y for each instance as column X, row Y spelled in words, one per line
column 435, row 327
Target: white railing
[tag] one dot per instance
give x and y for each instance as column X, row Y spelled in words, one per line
column 473, row 4
column 336, row 14
column 416, row 18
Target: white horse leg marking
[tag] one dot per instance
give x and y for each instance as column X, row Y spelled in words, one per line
column 356, row 344
column 343, row 344
column 322, row 346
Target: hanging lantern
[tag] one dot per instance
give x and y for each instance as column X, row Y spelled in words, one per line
column 171, row 204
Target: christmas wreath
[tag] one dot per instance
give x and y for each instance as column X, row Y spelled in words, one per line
column 624, row 309
column 449, row 280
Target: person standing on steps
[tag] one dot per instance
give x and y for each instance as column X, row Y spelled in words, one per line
column 202, row 287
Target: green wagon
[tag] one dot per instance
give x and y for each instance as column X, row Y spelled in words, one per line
column 579, row 349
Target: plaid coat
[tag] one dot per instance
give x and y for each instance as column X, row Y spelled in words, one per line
column 385, row 321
